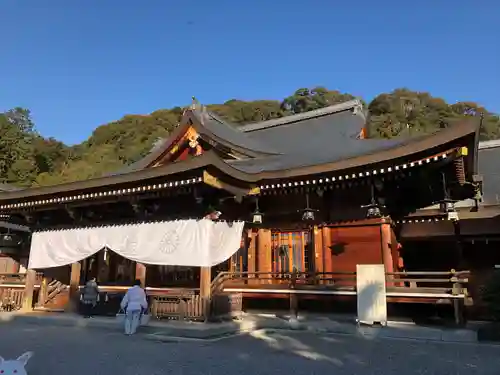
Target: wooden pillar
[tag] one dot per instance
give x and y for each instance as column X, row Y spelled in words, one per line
column 42, row 292
column 140, row 273
column 318, row 253
column 205, row 289
column 251, row 254
column 29, row 290
column 386, row 247
column 327, row 254
column 74, row 283
column 264, row 252
column 397, row 261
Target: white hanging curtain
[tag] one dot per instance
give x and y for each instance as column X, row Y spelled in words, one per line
column 194, row 243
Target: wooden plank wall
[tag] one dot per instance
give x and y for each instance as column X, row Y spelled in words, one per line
column 264, row 256
column 347, row 246
column 336, row 248
column 8, row 265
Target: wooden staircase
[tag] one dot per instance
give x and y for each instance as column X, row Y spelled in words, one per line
column 53, row 296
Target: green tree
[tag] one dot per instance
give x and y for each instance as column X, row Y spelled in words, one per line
column 304, row 99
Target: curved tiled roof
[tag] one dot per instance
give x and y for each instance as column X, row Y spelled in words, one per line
column 489, row 168
column 8, row 187
column 317, row 142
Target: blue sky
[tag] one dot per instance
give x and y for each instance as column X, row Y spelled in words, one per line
column 81, row 63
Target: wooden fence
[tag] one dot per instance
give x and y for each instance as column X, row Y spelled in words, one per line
column 11, row 298
column 179, row 307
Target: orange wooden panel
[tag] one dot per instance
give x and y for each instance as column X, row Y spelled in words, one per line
column 318, row 249
column 327, row 254
column 264, row 250
column 354, row 245
column 251, row 252
column 303, row 254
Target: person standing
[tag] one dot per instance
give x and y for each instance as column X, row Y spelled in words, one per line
column 134, row 303
column 90, row 297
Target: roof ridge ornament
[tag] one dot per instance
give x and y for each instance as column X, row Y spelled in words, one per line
column 195, row 104
column 358, row 109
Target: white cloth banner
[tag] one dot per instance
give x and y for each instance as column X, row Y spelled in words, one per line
column 194, row 243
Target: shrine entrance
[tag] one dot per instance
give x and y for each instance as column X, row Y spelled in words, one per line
column 291, row 251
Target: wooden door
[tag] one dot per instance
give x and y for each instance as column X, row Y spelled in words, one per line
column 290, row 250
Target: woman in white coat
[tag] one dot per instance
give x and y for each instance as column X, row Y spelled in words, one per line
column 134, row 303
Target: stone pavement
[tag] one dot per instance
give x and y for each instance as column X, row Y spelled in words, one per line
column 80, row 351
column 321, row 324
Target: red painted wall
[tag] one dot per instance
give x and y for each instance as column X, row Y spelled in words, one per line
column 348, row 246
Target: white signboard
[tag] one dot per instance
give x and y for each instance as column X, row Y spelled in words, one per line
column 371, row 293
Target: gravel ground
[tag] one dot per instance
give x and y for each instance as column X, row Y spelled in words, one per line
column 74, row 351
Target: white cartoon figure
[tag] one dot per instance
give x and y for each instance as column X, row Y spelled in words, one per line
column 15, row 366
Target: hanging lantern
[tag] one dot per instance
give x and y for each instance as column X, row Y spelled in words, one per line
column 308, row 212
column 257, row 215
column 373, row 209
column 373, row 212
column 447, row 206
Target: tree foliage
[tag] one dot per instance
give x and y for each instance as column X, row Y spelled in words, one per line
column 29, row 159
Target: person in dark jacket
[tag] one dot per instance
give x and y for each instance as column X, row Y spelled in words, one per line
column 89, row 297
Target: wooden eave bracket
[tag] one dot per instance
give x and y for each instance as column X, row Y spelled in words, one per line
column 463, row 151
column 237, row 191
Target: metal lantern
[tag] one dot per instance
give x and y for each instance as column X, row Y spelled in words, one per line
column 257, row 215
column 446, row 206
column 373, row 212
column 257, row 218
column 308, row 215
column 308, row 212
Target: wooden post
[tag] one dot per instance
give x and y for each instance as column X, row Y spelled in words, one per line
column 251, row 254
column 29, row 289
column 294, row 303
column 74, row 292
column 318, row 254
column 140, row 273
column 327, row 254
column 42, row 292
column 205, row 289
column 458, row 304
column 385, row 244
column 264, row 253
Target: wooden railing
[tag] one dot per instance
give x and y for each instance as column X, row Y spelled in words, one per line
column 423, row 284
column 179, row 307
column 164, row 303
column 400, row 286
column 11, row 298
column 12, row 287
column 17, row 279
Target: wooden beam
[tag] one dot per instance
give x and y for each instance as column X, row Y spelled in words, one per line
column 251, row 252
column 205, row 289
column 29, row 289
column 264, row 257
column 318, row 250
column 74, row 293
column 237, row 191
column 140, row 273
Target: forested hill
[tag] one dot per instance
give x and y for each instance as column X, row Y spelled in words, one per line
column 29, row 159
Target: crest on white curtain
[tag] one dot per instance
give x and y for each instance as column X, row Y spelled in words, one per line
column 15, row 366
